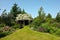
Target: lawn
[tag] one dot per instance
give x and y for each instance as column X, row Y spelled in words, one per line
column 27, row 34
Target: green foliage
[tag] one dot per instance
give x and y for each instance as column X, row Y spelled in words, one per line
column 40, row 23
column 58, row 25
column 4, row 31
column 40, row 11
column 48, row 28
column 3, row 34
column 9, row 19
column 46, row 24
column 2, row 25
column 49, row 16
column 15, row 26
column 4, row 17
column 15, row 11
column 23, row 12
column 58, row 17
column 57, row 32
column 39, row 20
column 27, row 34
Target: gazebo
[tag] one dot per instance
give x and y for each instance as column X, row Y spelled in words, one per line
column 23, row 19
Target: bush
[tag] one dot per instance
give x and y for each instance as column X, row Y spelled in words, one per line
column 6, row 30
column 57, row 32
column 58, row 25
column 45, row 26
column 15, row 26
column 3, row 34
column 41, row 29
column 2, row 25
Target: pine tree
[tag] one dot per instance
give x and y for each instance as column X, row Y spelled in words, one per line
column 4, row 16
column 58, row 17
column 23, row 12
column 14, row 11
column 40, row 11
column 49, row 16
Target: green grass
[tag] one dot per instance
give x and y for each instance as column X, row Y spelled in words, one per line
column 28, row 34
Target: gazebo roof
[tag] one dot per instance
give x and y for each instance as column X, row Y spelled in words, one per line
column 23, row 17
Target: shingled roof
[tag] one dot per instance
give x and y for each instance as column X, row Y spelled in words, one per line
column 23, row 17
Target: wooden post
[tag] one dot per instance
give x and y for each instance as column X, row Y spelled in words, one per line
column 23, row 23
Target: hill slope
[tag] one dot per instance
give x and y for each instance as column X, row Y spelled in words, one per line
column 27, row 34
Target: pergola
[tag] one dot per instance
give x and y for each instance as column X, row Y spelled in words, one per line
column 23, row 19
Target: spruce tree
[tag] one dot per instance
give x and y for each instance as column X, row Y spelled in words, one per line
column 58, row 17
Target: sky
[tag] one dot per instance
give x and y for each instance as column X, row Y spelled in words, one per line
column 32, row 6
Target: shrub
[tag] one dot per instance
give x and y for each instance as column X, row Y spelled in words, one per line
column 3, row 34
column 6, row 30
column 41, row 29
column 15, row 26
column 45, row 26
column 2, row 25
column 57, row 32
column 58, row 25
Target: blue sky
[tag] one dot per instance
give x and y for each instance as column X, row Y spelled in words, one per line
column 32, row 6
